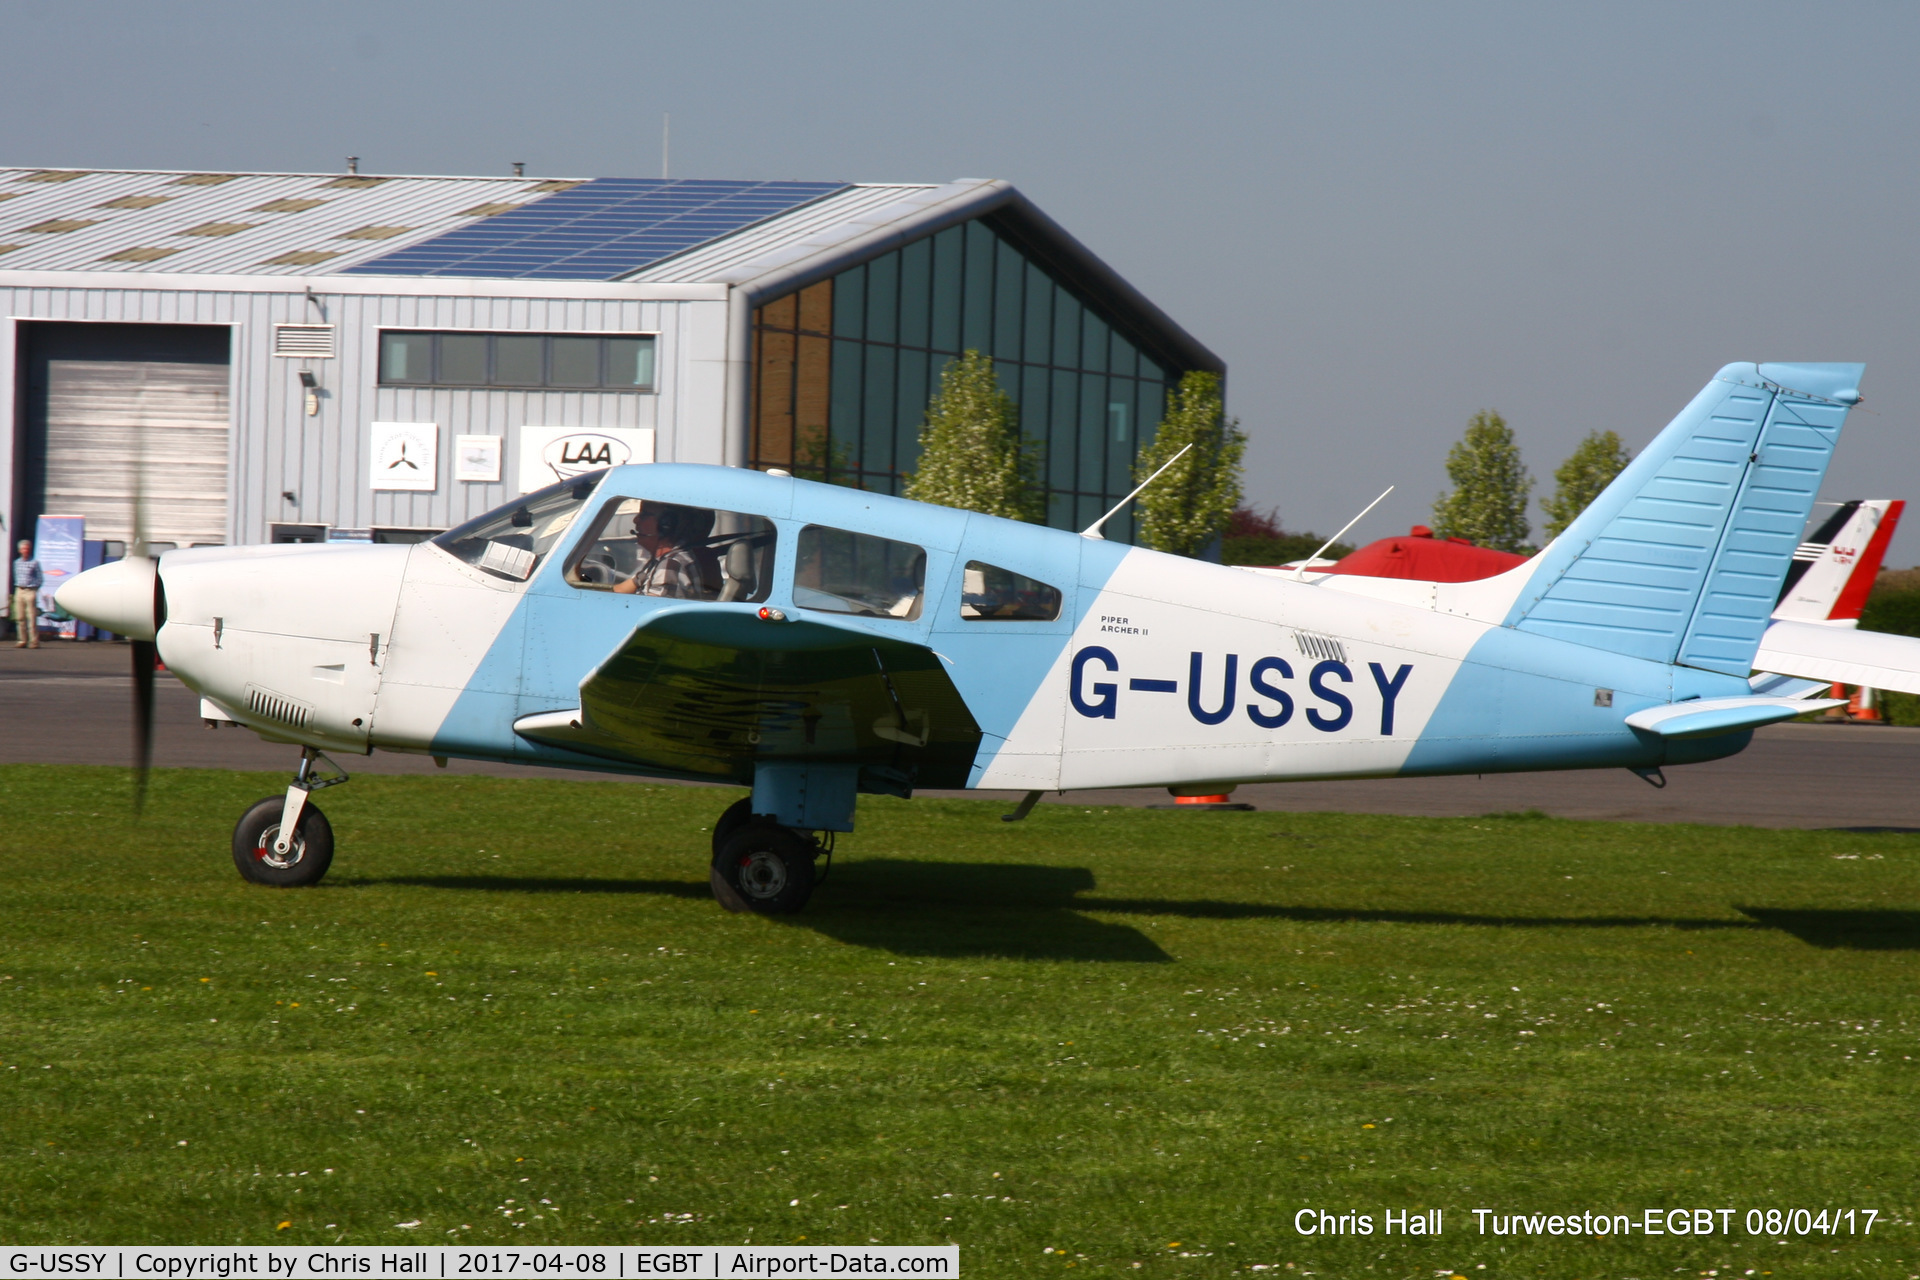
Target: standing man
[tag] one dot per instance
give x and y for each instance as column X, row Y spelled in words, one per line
column 27, row 580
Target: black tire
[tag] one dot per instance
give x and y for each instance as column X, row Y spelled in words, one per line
column 305, row 863
column 764, row 868
column 738, row 815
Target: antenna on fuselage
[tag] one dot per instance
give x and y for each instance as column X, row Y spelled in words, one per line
column 1093, row 530
column 1299, row 573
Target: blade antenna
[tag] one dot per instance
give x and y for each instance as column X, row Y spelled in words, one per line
column 1093, row 530
column 1300, row 573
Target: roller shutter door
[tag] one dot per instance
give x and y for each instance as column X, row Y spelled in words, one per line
column 129, row 408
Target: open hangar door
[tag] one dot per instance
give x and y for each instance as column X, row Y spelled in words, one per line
column 111, row 410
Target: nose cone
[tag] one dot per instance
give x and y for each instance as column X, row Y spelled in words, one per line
column 120, row 597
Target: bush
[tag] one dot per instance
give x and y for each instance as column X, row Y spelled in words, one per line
column 1257, row 537
column 1896, row 612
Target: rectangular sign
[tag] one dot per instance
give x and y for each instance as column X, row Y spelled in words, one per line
column 476, row 459
column 549, row 455
column 405, row 457
column 552, row 1262
column 58, row 544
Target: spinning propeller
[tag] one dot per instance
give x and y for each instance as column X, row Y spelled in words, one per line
column 124, row 597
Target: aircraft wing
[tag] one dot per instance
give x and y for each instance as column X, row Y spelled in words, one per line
column 711, row 691
column 1840, row 654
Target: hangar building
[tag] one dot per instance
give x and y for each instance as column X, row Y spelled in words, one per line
column 299, row 357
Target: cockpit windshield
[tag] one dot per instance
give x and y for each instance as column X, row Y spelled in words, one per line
column 511, row 541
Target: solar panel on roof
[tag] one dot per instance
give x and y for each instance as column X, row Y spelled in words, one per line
column 599, row 229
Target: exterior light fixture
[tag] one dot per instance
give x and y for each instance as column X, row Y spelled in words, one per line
column 312, row 385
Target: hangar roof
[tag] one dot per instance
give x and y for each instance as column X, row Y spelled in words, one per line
column 234, row 223
column 764, row 238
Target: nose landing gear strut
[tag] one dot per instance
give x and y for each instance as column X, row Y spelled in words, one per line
column 284, row 840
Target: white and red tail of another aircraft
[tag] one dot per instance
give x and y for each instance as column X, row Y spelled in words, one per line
column 1833, row 571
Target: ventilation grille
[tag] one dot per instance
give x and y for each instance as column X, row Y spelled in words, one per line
column 1324, row 648
column 272, row 706
column 303, row 340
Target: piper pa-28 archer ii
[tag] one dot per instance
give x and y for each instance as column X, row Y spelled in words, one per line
column 814, row 642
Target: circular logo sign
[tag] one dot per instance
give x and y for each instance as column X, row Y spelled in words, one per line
column 583, row 451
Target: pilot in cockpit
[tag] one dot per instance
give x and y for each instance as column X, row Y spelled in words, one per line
column 675, row 560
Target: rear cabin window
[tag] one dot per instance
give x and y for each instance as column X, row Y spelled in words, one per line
column 639, row 546
column 837, row 571
column 989, row 593
column 510, row 542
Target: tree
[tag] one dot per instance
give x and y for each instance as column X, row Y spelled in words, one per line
column 1490, row 488
column 1578, row 481
column 972, row 452
column 1187, row 508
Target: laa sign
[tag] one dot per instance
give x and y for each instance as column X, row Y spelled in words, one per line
column 550, row 454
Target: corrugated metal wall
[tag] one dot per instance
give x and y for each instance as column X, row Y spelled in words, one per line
column 324, row 459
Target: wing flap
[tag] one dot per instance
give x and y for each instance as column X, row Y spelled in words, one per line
column 714, row 691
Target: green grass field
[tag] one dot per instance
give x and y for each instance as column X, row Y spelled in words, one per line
column 1108, row 1042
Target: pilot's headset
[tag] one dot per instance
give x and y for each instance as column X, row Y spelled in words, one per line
column 671, row 521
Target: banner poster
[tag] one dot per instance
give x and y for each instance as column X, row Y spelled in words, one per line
column 57, row 545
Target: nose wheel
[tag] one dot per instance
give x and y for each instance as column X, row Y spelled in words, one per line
column 306, row 858
column 284, row 840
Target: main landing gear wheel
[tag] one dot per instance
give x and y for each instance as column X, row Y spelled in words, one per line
column 302, row 864
column 738, row 815
column 764, row 868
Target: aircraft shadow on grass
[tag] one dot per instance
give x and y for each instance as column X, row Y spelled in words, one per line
column 1863, row 929
column 909, row 908
column 1032, row 912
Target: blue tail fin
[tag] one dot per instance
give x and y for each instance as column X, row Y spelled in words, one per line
column 1682, row 556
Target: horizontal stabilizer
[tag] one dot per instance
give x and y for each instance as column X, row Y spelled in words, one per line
column 1767, row 685
column 1840, row 655
column 1711, row 717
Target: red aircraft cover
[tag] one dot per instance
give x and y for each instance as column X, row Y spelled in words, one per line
column 1424, row 558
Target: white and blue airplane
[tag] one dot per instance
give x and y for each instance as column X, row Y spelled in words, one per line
column 815, row 643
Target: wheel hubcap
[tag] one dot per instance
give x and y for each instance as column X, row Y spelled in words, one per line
column 263, row 852
column 762, row 875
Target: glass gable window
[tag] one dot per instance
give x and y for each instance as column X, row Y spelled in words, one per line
column 567, row 361
column 837, row 571
column 843, row 370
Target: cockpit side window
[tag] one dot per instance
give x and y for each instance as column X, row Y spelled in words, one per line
column 989, row 593
column 511, row 541
column 641, row 546
column 837, row 571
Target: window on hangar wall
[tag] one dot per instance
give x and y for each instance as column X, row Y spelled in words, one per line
column 843, row 370
column 560, row 361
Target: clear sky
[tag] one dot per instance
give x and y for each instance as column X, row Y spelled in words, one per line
column 1383, row 217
